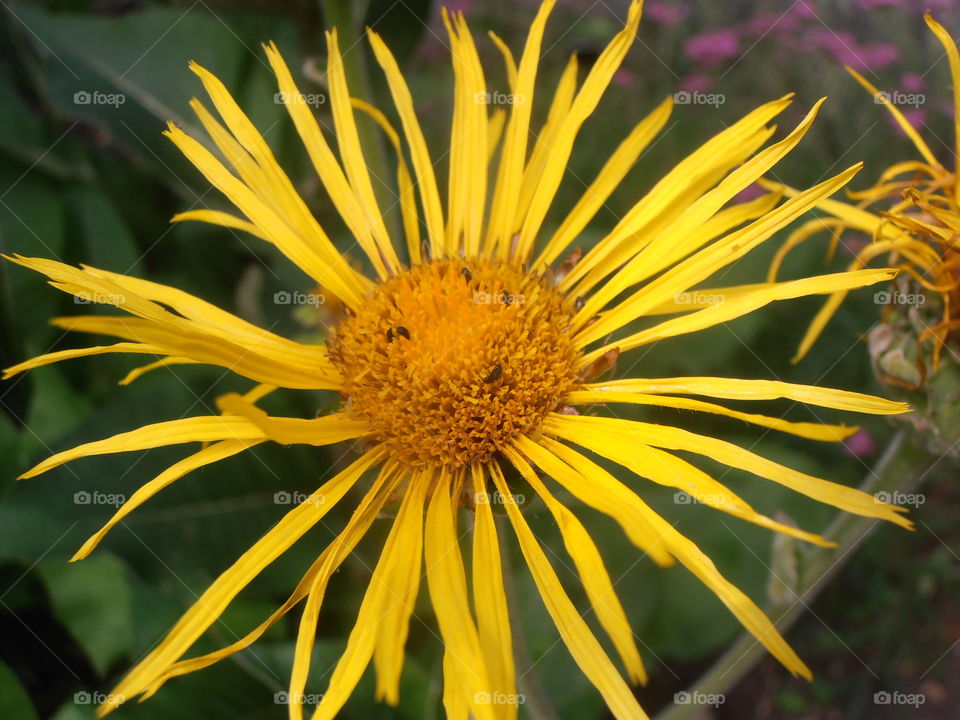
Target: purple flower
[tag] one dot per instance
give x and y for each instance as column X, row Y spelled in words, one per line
column 874, row 4
column 912, row 82
column 624, row 77
column 879, row 55
column 860, row 444
column 712, row 48
column 666, row 13
column 696, row 83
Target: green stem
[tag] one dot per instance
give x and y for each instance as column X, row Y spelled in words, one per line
column 901, row 468
column 345, row 16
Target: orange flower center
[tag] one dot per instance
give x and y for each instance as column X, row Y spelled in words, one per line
column 450, row 360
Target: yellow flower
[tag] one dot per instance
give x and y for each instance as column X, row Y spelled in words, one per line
column 468, row 356
column 918, row 230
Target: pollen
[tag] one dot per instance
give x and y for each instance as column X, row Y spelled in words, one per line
column 450, row 360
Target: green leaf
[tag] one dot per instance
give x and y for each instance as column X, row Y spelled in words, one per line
column 93, row 600
column 107, row 241
column 14, row 703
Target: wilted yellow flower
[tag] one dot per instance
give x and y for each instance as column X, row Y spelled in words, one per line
column 470, row 355
column 917, row 231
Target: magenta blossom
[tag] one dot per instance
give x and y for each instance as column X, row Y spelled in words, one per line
column 860, row 444
column 879, row 55
column 912, row 82
column 696, row 83
column 666, row 13
column 712, row 48
column 624, row 77
column 874, row 4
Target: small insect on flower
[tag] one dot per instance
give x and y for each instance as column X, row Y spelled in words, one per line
column 435, row 440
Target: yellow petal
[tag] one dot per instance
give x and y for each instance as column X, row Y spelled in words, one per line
column 706, row 262
column 324, row 162
column 490, row 598
column 562, row 139
column 218, row 217
column 674, row 194
column 295, row 431
column 590, row 567
column 671, row 471
column 447, row 582
column 57, row 356
column 408, row 193
column 513, row 155
column 330, row 559
column 745, row 303
column 747, row 389
column 811, row 431
column 420, row 156
column 172, row 432
column 351, row 152
column 576, row 635
column 690, row 222
column 882, row 99
column 258, row 361
column 217, row 597
column 467, row 191
column 454, row 698
column 314, row 254
column 206, row 456
column 559, row 108
column 953, row 57
column 745, row 610
column 156, row 365
column 402, row 582
column 671, row 438
column 320, row 431
column 607, row 180
column 380, row 600
column 545, row 453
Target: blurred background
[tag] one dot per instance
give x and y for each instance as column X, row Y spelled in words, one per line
column 85, row 176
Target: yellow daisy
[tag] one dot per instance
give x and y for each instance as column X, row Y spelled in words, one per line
column 917, row 231
column 462, row 361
